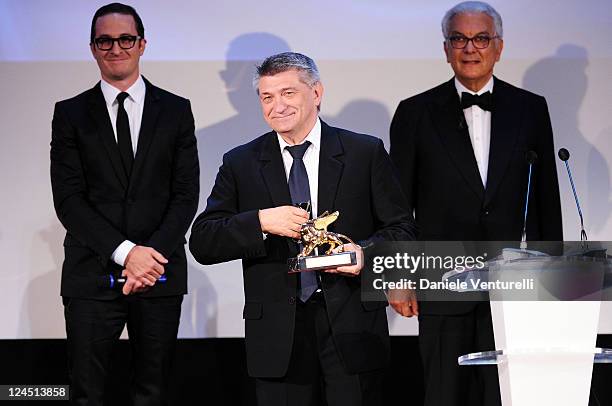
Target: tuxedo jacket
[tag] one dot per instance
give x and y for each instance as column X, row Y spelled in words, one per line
column 431, row 147
column 100, row 205
column 355, row 178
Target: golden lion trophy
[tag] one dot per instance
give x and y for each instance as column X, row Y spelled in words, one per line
column 314, row 234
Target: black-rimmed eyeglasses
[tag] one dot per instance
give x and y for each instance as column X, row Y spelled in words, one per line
column 479, row 41
column 124, row 41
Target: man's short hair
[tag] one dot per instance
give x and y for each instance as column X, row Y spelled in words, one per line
column 272, row 65
column 116, row 8
column 470, row 7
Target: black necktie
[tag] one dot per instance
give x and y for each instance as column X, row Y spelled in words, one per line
column 124, row 138
column 300, row 193
column 484, row 101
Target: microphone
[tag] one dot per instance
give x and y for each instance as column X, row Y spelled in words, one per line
column 111, row 282
column 531, row 157
column 564, row 155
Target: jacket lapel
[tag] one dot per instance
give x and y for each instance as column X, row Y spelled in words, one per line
column 504, row 126
column 330, row 168
column 99, row 112
column 273, row 171
column 148, row 125
column 455, row 136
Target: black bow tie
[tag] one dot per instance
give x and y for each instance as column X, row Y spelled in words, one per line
column 484, row 101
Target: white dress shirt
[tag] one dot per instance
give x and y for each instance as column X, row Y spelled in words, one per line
column 479, row 126
column 311, row 161
column 134, row 105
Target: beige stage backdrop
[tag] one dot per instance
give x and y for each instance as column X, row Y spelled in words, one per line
column 371, row 53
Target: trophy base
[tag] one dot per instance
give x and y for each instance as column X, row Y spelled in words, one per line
column 319, row 262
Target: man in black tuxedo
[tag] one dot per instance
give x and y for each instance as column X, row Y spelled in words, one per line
column 125, row 179
column 460, row 151
column 305, row 333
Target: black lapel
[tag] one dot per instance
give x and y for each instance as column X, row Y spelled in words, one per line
column 273, row 170
column 330, row 168
column 148, row 125
column 99, row 112
column 504, row 133
column 454, row 135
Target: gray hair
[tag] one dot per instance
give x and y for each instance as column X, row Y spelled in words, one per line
column 468, row 7
column 285, row 61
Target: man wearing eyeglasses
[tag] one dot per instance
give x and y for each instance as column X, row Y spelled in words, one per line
column 460, row 152
column 125, row 180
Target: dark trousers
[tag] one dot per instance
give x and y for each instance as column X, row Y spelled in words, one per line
column 442, row 339
column 93, row 328
column 316, row 373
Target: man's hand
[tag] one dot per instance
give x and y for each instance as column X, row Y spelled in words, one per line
column 352, row 270
column 132, row 285
column 143, row 267
column 285, row 221
column 404, row 301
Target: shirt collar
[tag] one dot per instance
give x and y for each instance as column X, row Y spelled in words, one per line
column 314, row 136
column 486, row 88
column 136, row 91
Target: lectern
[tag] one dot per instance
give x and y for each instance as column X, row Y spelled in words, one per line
column 545, row 337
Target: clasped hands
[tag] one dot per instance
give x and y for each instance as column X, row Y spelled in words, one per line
column 286, row 221
column 143, row 267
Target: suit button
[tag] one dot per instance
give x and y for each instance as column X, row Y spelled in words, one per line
column 486, row 213
column 292, row 300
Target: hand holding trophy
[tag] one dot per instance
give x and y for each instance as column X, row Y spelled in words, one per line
column 314, row 234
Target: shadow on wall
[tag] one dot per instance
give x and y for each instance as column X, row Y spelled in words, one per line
column 562, row 79
column 42, row 313
column 243, row 54
column 200, row 307
column 363, row 116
